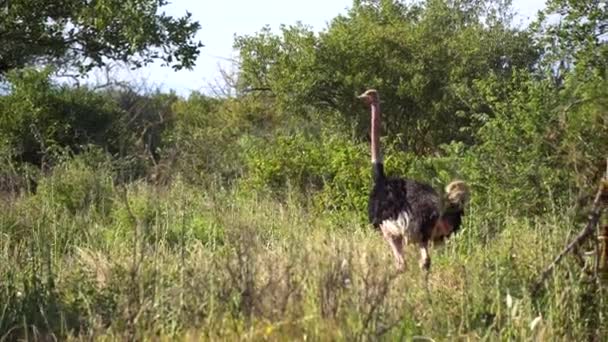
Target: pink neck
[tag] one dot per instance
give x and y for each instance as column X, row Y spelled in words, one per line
column 376, row 155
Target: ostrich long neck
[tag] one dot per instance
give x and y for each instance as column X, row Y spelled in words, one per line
column 377, row 164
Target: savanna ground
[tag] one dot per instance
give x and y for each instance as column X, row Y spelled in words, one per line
column 133, row 214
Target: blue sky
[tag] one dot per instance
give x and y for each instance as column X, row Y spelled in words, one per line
column 222, row 19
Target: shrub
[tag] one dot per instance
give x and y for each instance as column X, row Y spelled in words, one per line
column 80, row 183
column 207, row 135
column 39, row 118
column 334, row 169
column 542, row 146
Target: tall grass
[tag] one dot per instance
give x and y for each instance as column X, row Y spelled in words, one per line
column 184, row 263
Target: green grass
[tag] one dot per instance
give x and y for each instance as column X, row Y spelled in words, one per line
column 187, row 264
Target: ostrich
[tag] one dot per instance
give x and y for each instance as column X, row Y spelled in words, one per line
column 407, row 211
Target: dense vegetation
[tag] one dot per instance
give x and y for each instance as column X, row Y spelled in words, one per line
column 81, row 35
column 130, row 214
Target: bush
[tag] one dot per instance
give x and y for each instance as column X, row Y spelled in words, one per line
column 542, row 147
column 335, row 170
column 79, row 184
column 39, row 118
column 207, row 136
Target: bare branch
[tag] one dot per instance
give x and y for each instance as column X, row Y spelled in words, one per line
column 598, row 203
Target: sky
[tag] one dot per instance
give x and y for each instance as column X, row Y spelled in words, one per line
column 222, row 19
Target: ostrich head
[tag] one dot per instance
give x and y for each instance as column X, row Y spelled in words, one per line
column 457, row 194
column 370, row 96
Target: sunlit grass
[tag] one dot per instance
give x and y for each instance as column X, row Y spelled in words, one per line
column 183, row 263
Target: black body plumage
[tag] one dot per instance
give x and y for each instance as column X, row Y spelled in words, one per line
column 453, row 217
column 389, row 197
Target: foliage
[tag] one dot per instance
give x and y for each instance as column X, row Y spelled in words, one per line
column 88, row 34
column 544, row 145
column 421, row 58
column 145, row 118
column 76, row 184
column 132, row 214
column 329, row 164
column 208, row 135
column 38, row 119
column 575, row 35
column 41, row 120
column 281, row 273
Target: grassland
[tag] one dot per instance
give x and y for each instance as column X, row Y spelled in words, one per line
column 182, row 263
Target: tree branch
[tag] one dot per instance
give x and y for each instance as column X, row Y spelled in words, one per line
column 601, row 198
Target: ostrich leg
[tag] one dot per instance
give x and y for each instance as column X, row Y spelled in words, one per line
column 425, row 259
column 396, row 244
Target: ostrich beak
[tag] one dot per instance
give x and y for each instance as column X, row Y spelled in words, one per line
column 370, row 96
column 364, row 97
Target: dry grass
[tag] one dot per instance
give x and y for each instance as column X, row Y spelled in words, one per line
column 179, row 264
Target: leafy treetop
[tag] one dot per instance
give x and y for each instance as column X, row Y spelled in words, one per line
column 84, row 34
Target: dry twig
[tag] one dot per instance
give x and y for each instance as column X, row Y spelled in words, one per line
column 601, row 198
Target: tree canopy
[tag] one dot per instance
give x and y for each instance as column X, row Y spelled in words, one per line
column 424, row 58
column 82, row 35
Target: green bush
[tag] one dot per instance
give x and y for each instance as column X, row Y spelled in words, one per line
column 81, row 183
column 138, row 208
column 423, row 57
column 335, row 170
column 328, row 163
column 38, row 119
column 543, row 147
column 207, row 135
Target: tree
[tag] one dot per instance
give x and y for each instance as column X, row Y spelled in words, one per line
column 546, row 142
column 39, row 119
column 423, row 58
column 82, row 35
column 575, row 35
